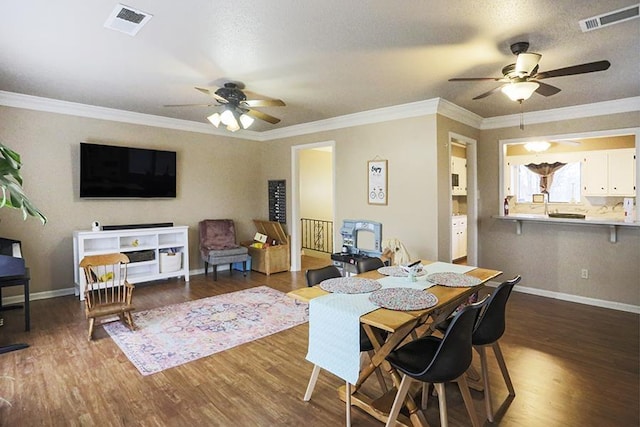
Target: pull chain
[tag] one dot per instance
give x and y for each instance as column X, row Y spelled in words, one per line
column 521, row 116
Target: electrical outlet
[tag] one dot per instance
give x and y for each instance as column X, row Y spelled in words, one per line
column 584, row 273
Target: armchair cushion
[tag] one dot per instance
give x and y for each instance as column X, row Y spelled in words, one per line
column 218, row 242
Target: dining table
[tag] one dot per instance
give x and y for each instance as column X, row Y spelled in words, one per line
column 330, row 332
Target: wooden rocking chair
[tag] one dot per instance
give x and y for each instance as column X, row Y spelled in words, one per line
column 107, row 291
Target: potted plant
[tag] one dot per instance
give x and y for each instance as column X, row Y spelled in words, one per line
column 11, row 183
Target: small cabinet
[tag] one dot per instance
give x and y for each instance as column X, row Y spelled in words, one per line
column 458, row 176
column 458, row 237
column 609, row 173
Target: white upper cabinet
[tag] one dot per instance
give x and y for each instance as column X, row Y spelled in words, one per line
column 458, row 176
column 609, row 173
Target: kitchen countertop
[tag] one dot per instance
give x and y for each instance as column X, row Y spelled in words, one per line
column 588, row 221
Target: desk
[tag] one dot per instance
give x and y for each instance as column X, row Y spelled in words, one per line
column 399, row 324
column 23, row 281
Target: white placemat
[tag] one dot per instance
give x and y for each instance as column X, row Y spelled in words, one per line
column 444, row 267
column 397, row 271
column 404, row 282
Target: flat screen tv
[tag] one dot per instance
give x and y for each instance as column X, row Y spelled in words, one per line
column 124, row 172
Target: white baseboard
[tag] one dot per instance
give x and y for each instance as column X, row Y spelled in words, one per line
column 525, row 290
column 613, row 305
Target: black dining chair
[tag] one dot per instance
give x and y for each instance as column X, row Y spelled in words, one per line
column 367, row 264
column 438, row 360
column 315, row 276
column 489, row 330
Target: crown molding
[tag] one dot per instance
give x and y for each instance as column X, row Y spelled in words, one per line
column 624, row 105
column 454, row 112
column 414, row 109
column 396, row 112
column 17, row 100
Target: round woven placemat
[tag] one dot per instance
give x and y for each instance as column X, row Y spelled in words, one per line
column 350, row 285
column 453, row 280
column 404, row 299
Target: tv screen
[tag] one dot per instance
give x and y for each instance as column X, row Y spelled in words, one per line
column 123, row 172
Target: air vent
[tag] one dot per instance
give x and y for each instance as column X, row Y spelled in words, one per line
column 127, row 20
column 610, row 18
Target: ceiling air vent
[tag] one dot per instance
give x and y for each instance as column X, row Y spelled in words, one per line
column 127, row 20
column 610, row 18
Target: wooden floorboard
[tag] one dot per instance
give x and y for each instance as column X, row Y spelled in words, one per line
column 571, row 365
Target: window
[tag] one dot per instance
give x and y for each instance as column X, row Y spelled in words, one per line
column 565, row 187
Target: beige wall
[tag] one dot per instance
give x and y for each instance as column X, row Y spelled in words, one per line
column 550, row 257
column 218, row 177
column 316, row 185
column 227, row 177
column 409, row 145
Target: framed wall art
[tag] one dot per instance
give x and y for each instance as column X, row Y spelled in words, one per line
column 377, row 182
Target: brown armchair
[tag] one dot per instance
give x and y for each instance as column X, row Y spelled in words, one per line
column 218, row 245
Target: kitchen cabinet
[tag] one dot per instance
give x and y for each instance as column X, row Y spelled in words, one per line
column 609, row 173
column 507, row 179
column 458, row 176
column 458, row 237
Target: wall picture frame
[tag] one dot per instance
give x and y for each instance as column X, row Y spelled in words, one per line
column 377, row 174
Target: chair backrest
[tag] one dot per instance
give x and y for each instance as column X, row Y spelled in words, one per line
column 491, row 324
column 319, row 274
column 216, row 234
column 454, row 353
column 106, row 279
column 368, row 264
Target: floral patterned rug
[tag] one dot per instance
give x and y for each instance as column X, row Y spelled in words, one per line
column 169, row 336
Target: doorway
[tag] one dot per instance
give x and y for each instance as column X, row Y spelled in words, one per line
column 312, row 201
column 463, row 199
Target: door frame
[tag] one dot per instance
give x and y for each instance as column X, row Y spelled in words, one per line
column 471, row 146
column 296, row 232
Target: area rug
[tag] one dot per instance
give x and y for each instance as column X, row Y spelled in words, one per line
column 170, row 336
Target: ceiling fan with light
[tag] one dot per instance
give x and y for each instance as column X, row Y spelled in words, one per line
column 236, row 110
column 522, row 78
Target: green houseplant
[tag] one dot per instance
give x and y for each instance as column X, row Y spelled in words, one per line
column 11, row 183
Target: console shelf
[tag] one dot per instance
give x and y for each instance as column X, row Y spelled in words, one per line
column 151, row 241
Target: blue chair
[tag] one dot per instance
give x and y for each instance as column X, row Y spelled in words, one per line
column 438, row 360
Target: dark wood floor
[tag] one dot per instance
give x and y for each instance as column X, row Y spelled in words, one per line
column 571, row 365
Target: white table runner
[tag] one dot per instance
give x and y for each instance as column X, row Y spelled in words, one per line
column 334, row 323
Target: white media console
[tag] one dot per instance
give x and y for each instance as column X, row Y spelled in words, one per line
column 150, row 251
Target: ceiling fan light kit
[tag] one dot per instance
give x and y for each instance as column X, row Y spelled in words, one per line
column 522, row 78
column 520, row 91
column 237, row 109
column 537, row 146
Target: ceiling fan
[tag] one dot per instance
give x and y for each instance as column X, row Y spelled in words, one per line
column 237, row 109
column 523, row 78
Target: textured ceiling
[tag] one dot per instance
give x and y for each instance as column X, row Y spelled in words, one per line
column 323, row 58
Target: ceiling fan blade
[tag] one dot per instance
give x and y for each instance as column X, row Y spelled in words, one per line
column 263, row 103
column 262, row 116
column 575, row 69
column 213, row 94
column 191, row 105
column 473, row 79
column 546, row 90
column 491, row 92
column 526, row 62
